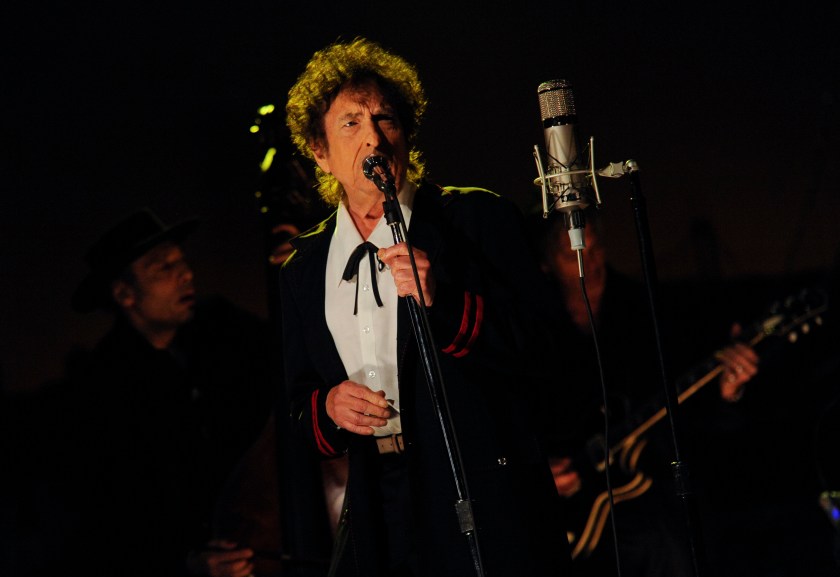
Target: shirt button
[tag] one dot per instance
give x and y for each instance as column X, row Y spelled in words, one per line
column 365, row 288
column 371, row 374
column 366, row 330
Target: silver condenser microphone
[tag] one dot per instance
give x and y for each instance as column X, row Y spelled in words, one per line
column 567, row 179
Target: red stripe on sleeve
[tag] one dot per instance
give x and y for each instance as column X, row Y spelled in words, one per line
column 462, row 330
column 322, row 443
column 479, row 316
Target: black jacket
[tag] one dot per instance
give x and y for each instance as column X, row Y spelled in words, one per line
column 150, row 436
column 490, row 344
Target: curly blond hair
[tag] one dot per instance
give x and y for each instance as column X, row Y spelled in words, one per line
column 352, row 64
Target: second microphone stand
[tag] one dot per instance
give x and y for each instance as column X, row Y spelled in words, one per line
column 376, row 169
column 678, row 466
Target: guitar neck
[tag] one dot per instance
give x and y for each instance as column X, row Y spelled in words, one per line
column 708, row 370
column 687, row 385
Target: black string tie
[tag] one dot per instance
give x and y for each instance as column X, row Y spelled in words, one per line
column 352, row 269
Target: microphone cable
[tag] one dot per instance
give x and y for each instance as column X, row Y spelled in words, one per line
column 606, row 447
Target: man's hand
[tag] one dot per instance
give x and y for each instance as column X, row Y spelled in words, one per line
column 740, row 364
column 396, row 258
column 221, row 558
column 566, row 479
column 356, row 408
column 280, row 253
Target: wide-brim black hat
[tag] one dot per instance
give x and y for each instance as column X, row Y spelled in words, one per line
column 127, row 241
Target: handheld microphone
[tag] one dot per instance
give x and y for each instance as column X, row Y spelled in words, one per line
column 567, row 179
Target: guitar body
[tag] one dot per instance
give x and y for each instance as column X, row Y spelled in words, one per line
column 588, row 510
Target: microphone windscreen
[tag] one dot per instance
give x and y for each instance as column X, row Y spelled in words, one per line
column 556, row 101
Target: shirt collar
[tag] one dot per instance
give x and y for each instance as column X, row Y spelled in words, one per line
column 346, row 238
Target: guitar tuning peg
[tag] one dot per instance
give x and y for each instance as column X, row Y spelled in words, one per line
column 806, row 329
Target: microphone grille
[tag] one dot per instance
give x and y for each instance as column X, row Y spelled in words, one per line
column 556, row 99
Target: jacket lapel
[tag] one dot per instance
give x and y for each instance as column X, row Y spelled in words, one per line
column 306, row 270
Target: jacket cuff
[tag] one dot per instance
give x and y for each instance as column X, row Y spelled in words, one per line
column 327, row 439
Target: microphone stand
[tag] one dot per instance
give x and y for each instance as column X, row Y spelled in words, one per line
column 431, row 365
column 678, row 466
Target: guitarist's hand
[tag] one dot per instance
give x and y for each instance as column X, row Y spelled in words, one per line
column 740, row 364
column 566, row 479
column 221, row 558
column 284, row 231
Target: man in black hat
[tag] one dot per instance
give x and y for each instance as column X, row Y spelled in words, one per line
column 160, row 413
column 139, row 269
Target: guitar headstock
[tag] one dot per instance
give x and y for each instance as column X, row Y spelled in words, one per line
column 795, row 315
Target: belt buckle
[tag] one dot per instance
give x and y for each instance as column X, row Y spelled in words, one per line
column 391, row 444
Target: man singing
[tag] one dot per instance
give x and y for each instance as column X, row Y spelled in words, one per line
column 356, row 381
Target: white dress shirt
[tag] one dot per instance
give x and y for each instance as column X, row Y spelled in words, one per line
column 367, row 341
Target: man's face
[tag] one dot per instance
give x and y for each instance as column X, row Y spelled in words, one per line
column 161, row 295
column 360, row 123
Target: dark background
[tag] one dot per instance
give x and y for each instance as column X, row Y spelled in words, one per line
column 730, row 111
